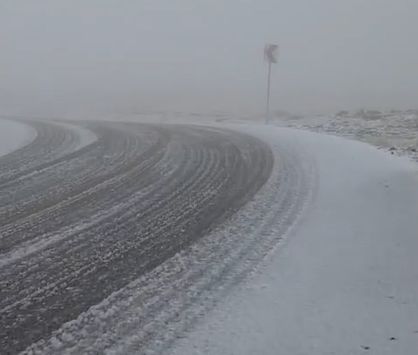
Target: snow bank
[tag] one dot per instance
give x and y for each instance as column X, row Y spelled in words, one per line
column 346, row 281
column 14, row 135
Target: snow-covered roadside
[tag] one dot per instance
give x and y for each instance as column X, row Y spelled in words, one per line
column 394, row 131
column 346, row 281
column 14, row 135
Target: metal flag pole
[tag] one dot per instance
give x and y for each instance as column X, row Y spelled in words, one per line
column 270, row 55
column 268, row 93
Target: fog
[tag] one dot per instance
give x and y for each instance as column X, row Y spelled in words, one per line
column 82, row 57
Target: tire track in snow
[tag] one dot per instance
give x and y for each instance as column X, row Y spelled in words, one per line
column 83, row 224
column 151, row 312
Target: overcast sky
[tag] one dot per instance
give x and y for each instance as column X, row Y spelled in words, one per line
column 81, row 56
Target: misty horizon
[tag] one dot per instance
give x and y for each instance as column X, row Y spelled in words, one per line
column 109, row 57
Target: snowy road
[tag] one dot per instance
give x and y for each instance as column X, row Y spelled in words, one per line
column 125, row 238
column 81, row 219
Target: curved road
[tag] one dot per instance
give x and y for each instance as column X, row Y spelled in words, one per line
column 134, row 241
column 79, row 222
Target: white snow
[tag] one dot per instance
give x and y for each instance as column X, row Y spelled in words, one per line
column 396, row 131
column 85, row 136
column 14, row 135
column 346, row 279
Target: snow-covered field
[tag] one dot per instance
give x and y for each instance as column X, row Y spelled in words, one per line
column 14, row 135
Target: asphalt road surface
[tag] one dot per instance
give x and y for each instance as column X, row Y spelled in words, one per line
column 80, row 221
